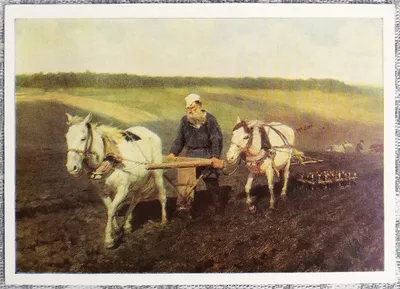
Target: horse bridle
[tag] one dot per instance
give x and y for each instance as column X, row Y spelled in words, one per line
column 87, row 151
column 248, row 130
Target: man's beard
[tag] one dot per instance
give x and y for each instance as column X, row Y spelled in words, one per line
column 197, row 117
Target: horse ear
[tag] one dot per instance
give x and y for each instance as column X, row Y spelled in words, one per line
column 238, row 119
column 88, row 119
column 69, row 117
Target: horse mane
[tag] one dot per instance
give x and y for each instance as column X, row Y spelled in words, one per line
column 265, row 143
column 243, row 124
column 109, row 131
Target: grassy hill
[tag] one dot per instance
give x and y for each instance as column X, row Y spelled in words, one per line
column 330, row 117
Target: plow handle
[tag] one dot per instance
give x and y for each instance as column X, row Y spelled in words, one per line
column 187, row 164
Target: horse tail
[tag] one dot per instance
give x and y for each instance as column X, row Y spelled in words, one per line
column 298, row 155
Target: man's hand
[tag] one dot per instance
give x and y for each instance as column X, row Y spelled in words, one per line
column 171, row 155
column 217, row 163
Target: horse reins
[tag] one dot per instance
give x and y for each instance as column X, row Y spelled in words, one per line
column 238, row 162
column 242, row 150
column 249, row 131
column 282, row 136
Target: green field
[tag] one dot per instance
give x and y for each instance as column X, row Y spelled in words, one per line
column 334, row 117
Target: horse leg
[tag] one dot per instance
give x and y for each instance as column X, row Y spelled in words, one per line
column 269, row 172
column 128, row 221
column 107, row 202
column 247, row 189
column 120, row 196
column 285, row 180
column 158, row 178
column 106, row 197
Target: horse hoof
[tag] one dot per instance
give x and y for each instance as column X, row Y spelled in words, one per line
column 128, row 229
column 164, row 220
column 183, row 213
column 283, row 197
column 109, row 245
column 252, row 209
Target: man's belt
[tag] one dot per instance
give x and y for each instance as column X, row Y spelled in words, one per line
column 198, row 149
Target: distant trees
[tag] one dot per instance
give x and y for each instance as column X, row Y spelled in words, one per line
column 48, row 81
column 52, row 81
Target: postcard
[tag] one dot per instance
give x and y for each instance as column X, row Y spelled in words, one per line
column 199, row 144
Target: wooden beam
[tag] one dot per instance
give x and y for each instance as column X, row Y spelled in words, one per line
column 183, row 162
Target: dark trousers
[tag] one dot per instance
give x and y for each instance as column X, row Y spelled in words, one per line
column 213, row 194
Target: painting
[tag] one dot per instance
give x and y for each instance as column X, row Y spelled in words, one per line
column 96, row 94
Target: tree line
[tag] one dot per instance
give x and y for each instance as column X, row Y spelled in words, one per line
column 64, row 80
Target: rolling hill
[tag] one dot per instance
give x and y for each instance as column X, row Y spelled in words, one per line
column 320, row 119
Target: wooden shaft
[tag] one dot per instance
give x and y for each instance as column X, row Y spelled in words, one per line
column 188, row 163
column 307, row 162
column 168, row 159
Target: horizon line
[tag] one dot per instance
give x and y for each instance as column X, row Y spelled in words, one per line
column 374, row 85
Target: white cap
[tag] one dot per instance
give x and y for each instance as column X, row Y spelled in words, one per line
column 191, row 98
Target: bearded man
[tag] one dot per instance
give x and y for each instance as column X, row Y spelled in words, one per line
column 200, row 133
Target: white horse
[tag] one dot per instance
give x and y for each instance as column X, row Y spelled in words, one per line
column 340, row 148
column 135, row 147
column 268, row 149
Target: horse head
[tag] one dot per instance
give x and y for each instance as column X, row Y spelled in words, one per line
column 240, row 140
column 79, row 141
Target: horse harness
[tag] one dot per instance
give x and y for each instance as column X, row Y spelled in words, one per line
column 112, row 155
column 254, row 162
column 87, row 151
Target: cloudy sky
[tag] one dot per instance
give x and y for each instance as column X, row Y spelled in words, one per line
column 346, row 49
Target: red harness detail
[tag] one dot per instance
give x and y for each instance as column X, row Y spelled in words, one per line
column 253, row 163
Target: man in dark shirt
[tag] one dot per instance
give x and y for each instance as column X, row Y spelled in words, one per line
column 200, row 133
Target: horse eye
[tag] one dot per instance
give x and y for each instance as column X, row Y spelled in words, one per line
column 83, row 139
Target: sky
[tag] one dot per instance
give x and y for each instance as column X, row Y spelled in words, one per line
column 349, row 50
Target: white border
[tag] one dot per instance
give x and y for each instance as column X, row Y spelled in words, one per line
column 13, row 12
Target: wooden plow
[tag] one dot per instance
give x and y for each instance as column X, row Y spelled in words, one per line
column 186, row 173
column 187, row 179
column 186, row 169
